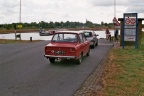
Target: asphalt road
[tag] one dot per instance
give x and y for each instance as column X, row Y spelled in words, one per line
column 25, row 72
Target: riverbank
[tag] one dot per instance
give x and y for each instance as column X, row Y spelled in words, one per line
column 4, row 31
column 9, row 41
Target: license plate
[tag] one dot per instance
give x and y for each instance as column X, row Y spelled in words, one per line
column 59, row 52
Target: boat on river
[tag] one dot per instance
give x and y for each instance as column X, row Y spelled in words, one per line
column 42, row 32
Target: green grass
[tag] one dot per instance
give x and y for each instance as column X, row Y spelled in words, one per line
column 142, row 42
column 7, row 41
column 124, row 74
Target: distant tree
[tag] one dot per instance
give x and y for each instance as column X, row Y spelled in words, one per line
column 102, row 23
column 105, row 24
column 57, row 24
column 89, row 24
column 1, row 26
column 62, row 23
column 51, row 25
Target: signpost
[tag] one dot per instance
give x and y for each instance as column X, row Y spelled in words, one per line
column 19, row 26
column 130, row 28
column 116, row 23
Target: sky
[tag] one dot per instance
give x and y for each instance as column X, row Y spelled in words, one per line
column 95, row 11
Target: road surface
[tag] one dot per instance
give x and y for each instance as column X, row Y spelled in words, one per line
column 25, row 72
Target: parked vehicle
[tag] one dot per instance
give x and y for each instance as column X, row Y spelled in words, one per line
column 92, row 37
column 67, row 45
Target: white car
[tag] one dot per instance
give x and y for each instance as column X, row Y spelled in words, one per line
column 92, row 37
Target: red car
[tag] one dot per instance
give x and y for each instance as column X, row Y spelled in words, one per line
column 67, row 45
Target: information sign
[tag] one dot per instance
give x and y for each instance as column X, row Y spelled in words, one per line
column 19, row 26
column 130, row 28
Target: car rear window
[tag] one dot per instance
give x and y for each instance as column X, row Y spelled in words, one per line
column 65, row 37
column 88, row 34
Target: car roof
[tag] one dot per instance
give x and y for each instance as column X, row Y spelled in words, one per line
column 76, row 32
column 88, row 31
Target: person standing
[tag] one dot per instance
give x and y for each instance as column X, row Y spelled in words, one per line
column 116, row 35
column 107, row 33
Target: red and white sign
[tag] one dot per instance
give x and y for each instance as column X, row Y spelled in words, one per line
column 133, row 21
column 130, row 21
column 114, row 20
column 127, row 21
column 116, row 23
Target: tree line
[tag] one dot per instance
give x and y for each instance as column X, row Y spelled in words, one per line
column 45, row 25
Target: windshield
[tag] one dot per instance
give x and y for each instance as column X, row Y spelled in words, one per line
column 64, row 37
column 88, row 34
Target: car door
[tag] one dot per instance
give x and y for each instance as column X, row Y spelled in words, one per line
column 84, row 43
column 94, row 37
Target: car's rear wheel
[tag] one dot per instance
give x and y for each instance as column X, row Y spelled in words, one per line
column 96, row 43
column 93, row 45
column 88, row 52
column 52, row 60
column 79, row 60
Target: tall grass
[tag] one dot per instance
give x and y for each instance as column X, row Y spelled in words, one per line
column 142, row 42
column 124, row 72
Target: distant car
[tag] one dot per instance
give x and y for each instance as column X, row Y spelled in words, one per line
column 92, row 37
column 67, row 45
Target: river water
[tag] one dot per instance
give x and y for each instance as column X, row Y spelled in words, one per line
column 36, row 36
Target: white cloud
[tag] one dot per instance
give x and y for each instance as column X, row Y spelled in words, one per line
column 67, row 10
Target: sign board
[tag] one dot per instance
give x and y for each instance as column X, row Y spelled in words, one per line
column 129, row 38
column 116, row 23
column 130, row 21
column 130, row 28
column 19, row 26
column 117, row 27
column 129, row 32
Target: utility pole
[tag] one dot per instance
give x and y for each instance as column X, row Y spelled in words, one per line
column 15, row 26
column 20, row 13
column 114, row 8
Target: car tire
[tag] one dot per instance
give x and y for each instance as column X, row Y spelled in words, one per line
column 52, row 60
column 96, row 43
column 88, row 52
column 79, row 60
column 93, row 45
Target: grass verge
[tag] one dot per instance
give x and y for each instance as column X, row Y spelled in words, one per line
column 7, row 41
column 124, row 73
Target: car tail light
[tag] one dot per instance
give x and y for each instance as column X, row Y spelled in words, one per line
column 72, row 50
column 52, row 51
column 47, row 49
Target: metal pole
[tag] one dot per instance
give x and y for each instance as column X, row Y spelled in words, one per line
column 20, row 12
column 114, row 8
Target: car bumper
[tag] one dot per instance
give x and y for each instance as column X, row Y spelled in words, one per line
column 53, row 56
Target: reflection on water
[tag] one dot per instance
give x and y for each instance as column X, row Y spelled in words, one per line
column 103, row 35
column 36, row 36
column 26, row 36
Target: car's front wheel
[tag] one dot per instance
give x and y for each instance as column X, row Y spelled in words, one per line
column 52, row 60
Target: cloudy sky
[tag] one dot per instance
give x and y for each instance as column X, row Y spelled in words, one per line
column 95, row 11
